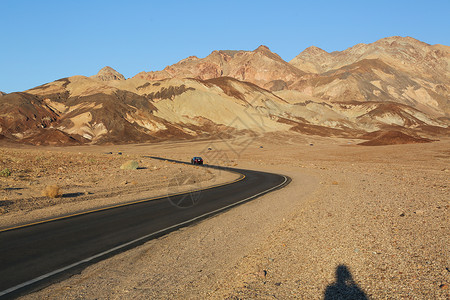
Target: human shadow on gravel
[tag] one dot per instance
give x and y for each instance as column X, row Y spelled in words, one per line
column 344, row 287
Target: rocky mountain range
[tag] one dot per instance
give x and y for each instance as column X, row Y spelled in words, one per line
column 395, row 84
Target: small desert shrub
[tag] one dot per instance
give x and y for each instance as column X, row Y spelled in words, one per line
column 52, row 191
column 5, row 172
column 130, row 165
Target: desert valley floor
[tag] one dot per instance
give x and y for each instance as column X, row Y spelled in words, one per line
column 369, row 219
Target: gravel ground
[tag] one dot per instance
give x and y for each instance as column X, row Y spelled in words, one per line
column 366, row 222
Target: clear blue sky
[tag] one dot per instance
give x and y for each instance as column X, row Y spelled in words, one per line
column 42, row 41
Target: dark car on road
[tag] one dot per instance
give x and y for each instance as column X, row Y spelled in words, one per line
column 197, row 161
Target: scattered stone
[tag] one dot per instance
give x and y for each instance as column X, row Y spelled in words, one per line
column 402, row 214
column 130, row 165
column 263, row 274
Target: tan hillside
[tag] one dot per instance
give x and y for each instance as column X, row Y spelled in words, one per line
column 374, row 80
column 79, row 110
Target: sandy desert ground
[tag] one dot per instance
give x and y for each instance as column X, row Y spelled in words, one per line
column 368, row 221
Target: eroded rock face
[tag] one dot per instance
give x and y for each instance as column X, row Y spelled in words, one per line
column 20, row 112
column 107, row 74
column 260, row 67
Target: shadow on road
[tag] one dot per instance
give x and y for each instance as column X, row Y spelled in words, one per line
column 344, row 287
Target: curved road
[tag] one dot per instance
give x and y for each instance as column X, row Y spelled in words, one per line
column 33, row 256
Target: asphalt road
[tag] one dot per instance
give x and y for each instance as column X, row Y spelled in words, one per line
column 34, row 256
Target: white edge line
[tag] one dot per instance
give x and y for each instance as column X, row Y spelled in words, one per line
column 37, row 279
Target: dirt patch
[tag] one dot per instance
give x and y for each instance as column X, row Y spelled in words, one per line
column 225, row 83
column 381, row 138
column 168, row 93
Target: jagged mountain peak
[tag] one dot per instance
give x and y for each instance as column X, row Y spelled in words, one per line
column 402, row 39
column 262, row 48
column 107, row 73
column 314, row 50
column 312, row 60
